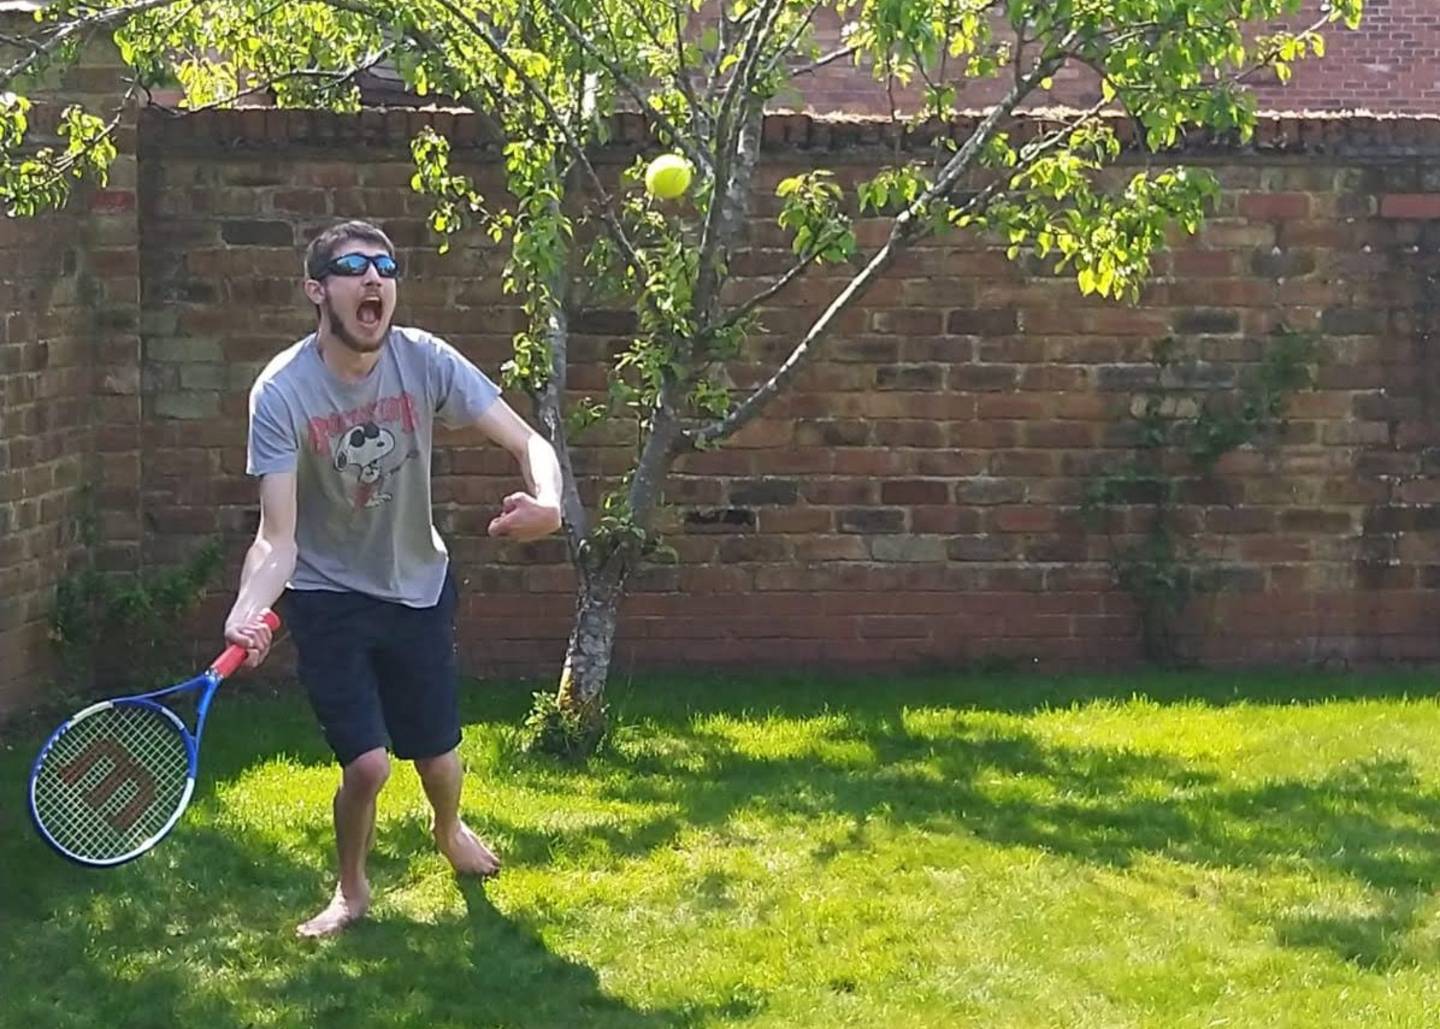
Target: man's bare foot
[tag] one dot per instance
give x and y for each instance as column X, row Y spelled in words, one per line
column 466, row 852
column 338, row 914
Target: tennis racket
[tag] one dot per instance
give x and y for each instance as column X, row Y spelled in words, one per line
column 114, row 778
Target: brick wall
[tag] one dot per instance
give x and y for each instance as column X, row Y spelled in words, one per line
column 915, row 498
column 69, row 391
column 44, row 430
column 1390, row 64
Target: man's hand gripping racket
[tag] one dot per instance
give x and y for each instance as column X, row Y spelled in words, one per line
column 114, row 778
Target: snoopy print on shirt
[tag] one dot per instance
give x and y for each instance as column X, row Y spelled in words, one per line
column 363, row 448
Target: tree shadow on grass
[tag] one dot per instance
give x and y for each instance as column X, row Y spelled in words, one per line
column 200, row 932
column 1372, row 822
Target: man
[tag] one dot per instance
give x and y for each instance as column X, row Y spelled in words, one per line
column 340, row 437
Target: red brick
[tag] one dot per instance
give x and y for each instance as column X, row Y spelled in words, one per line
column 1274, row 206
column 914, row 491
column 883, row 627
column 1013, row 406
column 1203, row 264
column 1418, row 206
column 112, row 201
column 1022, row 519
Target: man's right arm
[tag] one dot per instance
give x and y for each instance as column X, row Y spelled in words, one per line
column 269, row 563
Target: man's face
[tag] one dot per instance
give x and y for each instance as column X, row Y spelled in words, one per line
column 356, row 309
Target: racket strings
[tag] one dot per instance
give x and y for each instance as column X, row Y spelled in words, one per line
column 111, row 781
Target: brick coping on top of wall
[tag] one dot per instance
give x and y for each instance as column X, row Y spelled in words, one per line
column 1276, row 133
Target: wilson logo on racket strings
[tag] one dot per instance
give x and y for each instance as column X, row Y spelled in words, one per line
column 113, row 779
column 123, row 769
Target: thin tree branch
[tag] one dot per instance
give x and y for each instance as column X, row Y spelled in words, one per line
column 1262, row 61
column 682, row 81
column 945, row 43
column 617, row 231
column 791, row 274
column 481, row 110
column 890, row 100
column 577, row 35
column 900, row 233
column 730, row 136
column 699, row 117
column 744, row 76
column 960, row 163
column 712, row 86
column 747, row 409
column 549, row 404
column 69, row 30
column 789, row 44
column 61, row 169
column 1029, row 154
column 820, row 62
column 430, row 43
column 340, row 78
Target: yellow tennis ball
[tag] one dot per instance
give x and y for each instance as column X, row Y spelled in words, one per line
column 668, row 176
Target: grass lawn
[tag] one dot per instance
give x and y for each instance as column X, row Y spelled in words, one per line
column 1157, row 850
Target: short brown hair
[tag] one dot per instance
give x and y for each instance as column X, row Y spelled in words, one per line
column 322, row 248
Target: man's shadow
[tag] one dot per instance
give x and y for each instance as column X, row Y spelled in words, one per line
column 482, row 967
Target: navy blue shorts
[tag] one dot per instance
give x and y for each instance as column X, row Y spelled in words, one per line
column 378, row 674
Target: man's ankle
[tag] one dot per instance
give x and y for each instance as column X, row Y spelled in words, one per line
column 354, row 889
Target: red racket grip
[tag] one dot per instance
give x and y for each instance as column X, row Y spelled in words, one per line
column 234, row 655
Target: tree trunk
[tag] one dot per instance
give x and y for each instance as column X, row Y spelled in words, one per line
column 592, row 639
column 572, row 721
column 604, row 566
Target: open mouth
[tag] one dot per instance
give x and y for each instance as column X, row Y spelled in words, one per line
column 370, row 311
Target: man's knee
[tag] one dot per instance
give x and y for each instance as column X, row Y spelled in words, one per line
column 369, row 771
column 437, row 767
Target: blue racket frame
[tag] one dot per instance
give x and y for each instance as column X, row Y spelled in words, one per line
column 207, row 682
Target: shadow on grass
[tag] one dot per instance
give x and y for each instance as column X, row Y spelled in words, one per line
column 1373, row 822
column 199, row 932
column 1374, row 942
column 147, row 945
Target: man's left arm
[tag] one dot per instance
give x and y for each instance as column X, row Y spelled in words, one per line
column 524, row 516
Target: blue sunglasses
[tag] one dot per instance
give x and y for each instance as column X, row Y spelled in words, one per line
column 351, row 265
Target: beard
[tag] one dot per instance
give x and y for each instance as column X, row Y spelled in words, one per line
column 342, row 332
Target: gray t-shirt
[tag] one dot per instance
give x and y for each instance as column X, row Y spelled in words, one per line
column 361, row 456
